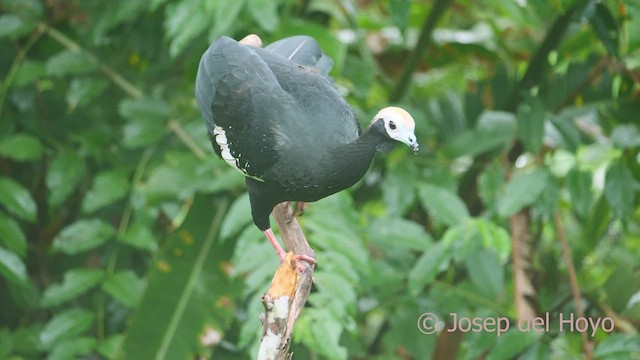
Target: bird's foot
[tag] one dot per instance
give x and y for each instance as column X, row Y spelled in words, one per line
column 300, row 208
column 282, row 254
column 311, row 261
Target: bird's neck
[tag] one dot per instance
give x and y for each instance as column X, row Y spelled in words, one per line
column 352, row 160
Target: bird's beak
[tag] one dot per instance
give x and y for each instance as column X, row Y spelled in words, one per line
column 412, row 143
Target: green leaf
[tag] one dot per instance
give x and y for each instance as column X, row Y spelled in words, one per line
column 12, row 26
column 530, row 119
column 605, row 26
column 12, row 268
column 75, row 283
column 69, row 62
column 17, row 200
column 124, row 286
column 579, row 186
column 494, row 129
column 512, row 343
column 390, row 233
column 489, row 182
column 145, row 108
column 226, row 15
column 335, row 286
column 398, row 197
column 11, row 236
column 65, row 325
column 619, row 346
column 626, row 136
column 21, row 147
column 187, row 267
column 146, row 123
column 65, row 172
column 522, row 190
column 486, row 273
column 28, row 72
column 72, row 348
column 400, row 11
column 238, row 216
column 444, row 206
column 83, row 90
column 83, row 235
column 184, row 21
column 428, row 266
column 109, row 347
column 140, row 237
column 619, row 189
column 108, row 187
column 265, row 14
column 320, row 331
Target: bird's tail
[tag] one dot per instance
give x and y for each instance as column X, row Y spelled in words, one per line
column 303, row 50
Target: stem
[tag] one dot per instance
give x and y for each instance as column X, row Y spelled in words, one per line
column 423, row 42
column 124, row 84
column 539, row 62
column 122, row 228
column 186, row 139
column 118, row 79
column 22, row 53
column 587, row 346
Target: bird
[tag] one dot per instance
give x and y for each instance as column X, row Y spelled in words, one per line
column 275, row 115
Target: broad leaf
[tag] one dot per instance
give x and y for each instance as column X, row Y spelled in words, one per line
column 530, row 119
column 108, row 187
column 17, row 200
column 428, row 266
column 21, row 147
column 12, row 268
column 579, row 186
column 11, row 235
column 83, row 235
column 444, row 206
column 124, row 286
column 75, row 283
column 619, row 189
column 486, row 273
column 239, row 216
column 65, row 325
column 265, row 13
column 72, row 348
column 140, row 237
column 65, row 172
column 83, row 90
column 185, row 266
column 522, row 190
column 69, row 62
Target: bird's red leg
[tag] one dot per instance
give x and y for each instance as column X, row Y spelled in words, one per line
column 282, row 254
column 300, row 208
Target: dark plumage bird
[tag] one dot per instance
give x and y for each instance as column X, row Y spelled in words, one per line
column 276, row 116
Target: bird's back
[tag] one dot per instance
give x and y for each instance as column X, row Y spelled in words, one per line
column 276, row 106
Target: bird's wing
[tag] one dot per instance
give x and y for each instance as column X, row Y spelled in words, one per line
column 264, row 107
column 233, row 89
column 323, row 117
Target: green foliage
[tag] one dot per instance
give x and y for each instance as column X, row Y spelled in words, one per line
column 122, row 236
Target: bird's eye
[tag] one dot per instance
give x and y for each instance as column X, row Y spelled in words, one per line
column 392, row 125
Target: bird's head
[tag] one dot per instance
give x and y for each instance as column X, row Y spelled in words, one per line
column 398, row 125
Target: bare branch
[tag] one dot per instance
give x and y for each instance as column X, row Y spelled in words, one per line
column 289, row 289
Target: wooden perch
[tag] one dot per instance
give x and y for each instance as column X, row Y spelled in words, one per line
column 289, row 289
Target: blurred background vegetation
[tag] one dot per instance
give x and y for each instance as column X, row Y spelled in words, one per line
column 122, row 235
